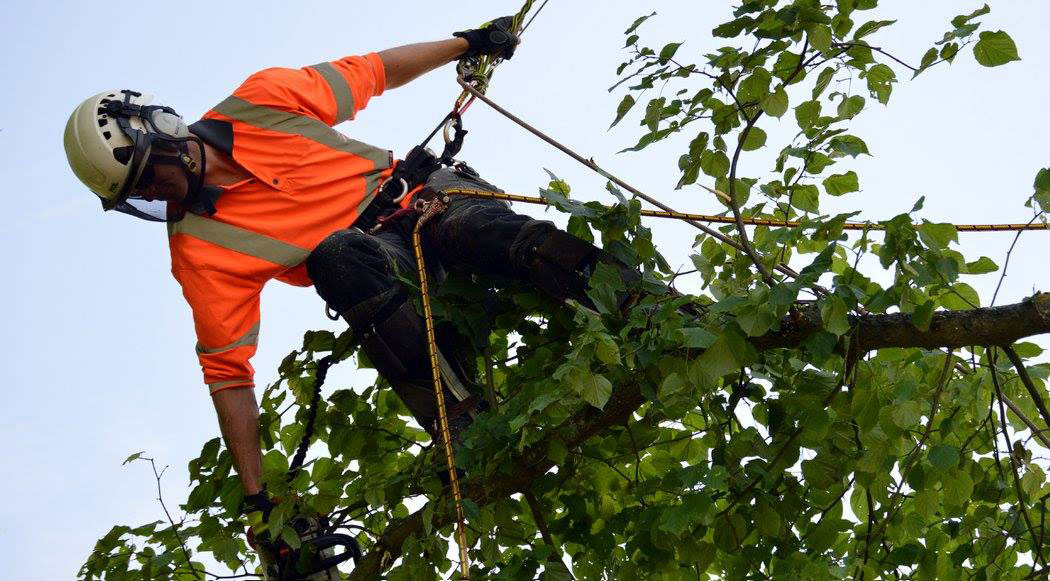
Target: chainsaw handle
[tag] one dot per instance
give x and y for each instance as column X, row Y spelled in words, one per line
column 352, row 549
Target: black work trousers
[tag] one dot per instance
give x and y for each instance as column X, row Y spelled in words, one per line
column 357, row 274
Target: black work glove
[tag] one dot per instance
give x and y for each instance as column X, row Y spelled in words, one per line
column 258, row 502
column 493, row 38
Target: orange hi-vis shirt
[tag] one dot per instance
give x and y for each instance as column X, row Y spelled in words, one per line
column 308, row 180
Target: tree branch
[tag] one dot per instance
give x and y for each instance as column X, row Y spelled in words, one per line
column 1026, row 379
column 952, row 329
column 985, row 326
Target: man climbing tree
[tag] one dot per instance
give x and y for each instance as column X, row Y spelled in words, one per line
column 857, row 414
column 262, row 188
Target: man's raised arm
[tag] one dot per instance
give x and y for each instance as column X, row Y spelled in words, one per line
column 405, row 63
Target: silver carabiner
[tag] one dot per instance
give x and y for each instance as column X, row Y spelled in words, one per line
column 404, row 191
column 450, row 123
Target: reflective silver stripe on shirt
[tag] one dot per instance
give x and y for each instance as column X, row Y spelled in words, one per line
column 344, row 95
column 249, row 338
column 284, row 122
column 372, row 179
column 214, row 387
column 239, row 240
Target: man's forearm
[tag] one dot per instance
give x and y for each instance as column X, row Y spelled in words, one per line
column 239, row 421
column 405, row 63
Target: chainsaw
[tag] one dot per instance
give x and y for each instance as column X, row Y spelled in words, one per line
column 317, row 558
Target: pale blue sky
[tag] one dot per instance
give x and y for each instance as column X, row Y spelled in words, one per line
column 99, row 349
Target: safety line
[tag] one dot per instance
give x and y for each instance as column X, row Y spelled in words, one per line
column 431, row 209
column 749, row 221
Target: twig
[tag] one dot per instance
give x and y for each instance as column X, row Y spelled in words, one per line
column 1037, row 547
column 174, row 527
column 849, row 45
column 545, row 531
column 1039, row 434
column 1026, row 379
column 1006, row 263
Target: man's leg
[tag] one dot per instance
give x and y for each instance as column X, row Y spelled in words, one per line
column 356, row 274
column 487, row 236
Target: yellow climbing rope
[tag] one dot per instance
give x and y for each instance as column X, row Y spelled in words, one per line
column 750, row 221
column 429, row 210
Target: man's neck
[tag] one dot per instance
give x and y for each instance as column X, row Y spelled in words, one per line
column 221, row 169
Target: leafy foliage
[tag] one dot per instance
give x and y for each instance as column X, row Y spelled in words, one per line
column 738, row 462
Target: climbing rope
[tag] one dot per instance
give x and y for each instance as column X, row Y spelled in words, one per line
column 428, row 210
column 869, row 226
column 475, row 73
column 696, row 219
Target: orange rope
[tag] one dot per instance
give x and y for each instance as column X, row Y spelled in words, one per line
column 749, row 221
column 431, row 209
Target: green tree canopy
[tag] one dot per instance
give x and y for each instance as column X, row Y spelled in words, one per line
column 767, row 423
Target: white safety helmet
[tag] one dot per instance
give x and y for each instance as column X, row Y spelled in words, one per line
column 109, row 142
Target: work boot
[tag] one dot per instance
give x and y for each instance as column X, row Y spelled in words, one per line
column 460, row 417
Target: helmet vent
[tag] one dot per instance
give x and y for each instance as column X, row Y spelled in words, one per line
column 107, row 134
column 123, row 154
column 102, row 121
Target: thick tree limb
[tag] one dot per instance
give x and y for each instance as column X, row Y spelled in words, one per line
column 986, row 326
column 1000, row 326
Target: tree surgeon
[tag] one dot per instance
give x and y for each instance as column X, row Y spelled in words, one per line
column 262, row 187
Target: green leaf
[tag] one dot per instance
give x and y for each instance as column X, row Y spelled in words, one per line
column 652, row 113
column 806, row 113
column 995, row 48
column 557, row 451
column 697, row 338
column 133, row 457
column 768, row 520
column 823, row 80
column 943, row 457
column 848, row 145
column 927, row 59
column 833, row 313
column 1042, row 180
column 806, row 197
column 922, row 316
column 776, row 103
column 870, row 27
column 755, row 139
column 849, row 107
column 638, row 22
column 982, row 265
column 671, row 385
column 938, row 235
column 714, row 163
column 622, row 109
column 727, row 354
column 820, row 37
column 755, row 86
column 906, row 414
column 880, row 82
column 668, row 51
column 957, row 487
column 594, row 388
column 839, row 184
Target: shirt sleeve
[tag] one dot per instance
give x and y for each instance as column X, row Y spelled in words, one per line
column 226, row 317
column 332, row 92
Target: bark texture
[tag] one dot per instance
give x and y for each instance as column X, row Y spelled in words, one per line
column 999, row 326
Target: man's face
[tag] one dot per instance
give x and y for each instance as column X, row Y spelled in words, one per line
column 168, row 183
